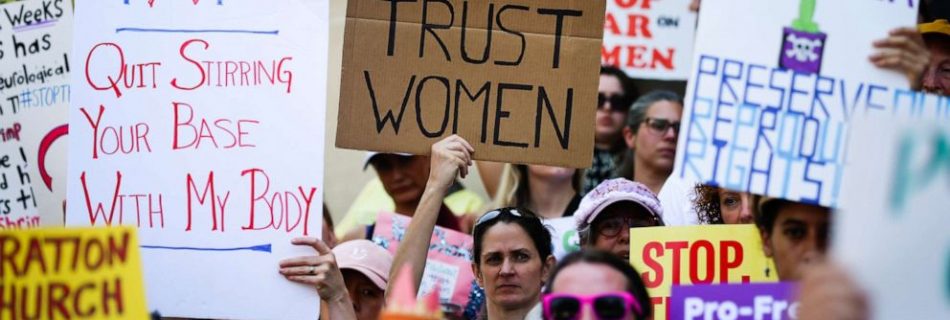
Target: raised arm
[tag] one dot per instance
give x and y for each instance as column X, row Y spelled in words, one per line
column 449, row 157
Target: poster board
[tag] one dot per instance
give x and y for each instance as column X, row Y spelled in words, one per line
column 649, row 39
column 201, row 123
column 35, row 65
column 891, row 229
column 774, row 86
column 448, row 263
column 72, row 273
column 713, row 254
column 777, row 301
column 516, row 78
column 564, row 236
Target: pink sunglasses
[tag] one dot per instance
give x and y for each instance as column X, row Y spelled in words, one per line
column 611, row 305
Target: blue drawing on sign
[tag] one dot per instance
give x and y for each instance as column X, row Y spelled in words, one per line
column 261, row 248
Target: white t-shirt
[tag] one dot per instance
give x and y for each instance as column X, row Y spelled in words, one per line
column 676, row 198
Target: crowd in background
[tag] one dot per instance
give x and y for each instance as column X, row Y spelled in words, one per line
column 628, row 185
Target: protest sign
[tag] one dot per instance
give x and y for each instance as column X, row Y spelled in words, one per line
column 17, row 199
column 73, row 273
column 891, row 229
column 564, row 237
column 449, row 262
column 669, row 256
column 35, row 45
column 735, row 301
column 649, row 39
column 201, row 123
column 516, row 78
column 774, row 85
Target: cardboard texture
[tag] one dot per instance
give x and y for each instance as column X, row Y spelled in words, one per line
column 517, row 79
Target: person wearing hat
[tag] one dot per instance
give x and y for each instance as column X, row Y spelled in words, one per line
column 794, row 235
column 350, row 279
column 401, row 179
column 936, row 77
column 606, row 214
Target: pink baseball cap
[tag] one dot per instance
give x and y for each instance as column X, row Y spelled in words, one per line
column 367, row 258
column 613, row 191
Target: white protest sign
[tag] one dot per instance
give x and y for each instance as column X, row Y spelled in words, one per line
column 17, row 205
column 891, row 229
column 202, row 123
column 35, row 45
column 564, row 237
column 774, row 85
column 649, row 39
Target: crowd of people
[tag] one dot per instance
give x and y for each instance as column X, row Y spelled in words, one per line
column 516, row 273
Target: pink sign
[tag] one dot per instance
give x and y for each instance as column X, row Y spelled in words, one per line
column 449, row 263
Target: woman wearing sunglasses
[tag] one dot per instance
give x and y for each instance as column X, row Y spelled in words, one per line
column 653, row 126
column 512, row 248
column 615, row 93
column 607, row 213
column 593, row 284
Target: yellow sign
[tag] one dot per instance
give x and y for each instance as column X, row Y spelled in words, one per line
column 668, row 256
column 73, row 273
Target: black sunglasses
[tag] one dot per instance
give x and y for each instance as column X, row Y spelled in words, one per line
column 618, row 102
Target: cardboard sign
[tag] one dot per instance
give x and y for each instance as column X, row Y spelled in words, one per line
column 201, row 123
column 564, row 237
column 449, row 260
column 774, row 85
column 75, row 273
column 891, row 229
column 35, row 62
column 516, row 78
column 715, row 254
column 649, row 39
column 776, row 301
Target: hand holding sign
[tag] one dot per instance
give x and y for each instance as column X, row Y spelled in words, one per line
column 320, row 271
column 450, row 157
column 904, row 51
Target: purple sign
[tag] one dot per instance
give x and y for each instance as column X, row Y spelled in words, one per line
column 734, row 301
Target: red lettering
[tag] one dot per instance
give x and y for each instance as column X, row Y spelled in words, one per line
column 183, row 118
column 9, row 249
column 635, row 56
column 34, row 256
column 93, row 261
column 676, row 247
column 610, row 24
column 255, row 196
column 641, row 22
column 119, row 250
column 666, row 61
column 610, row 57
column 725, row 264
column 77, row 301
column 115, row 296
column 644, row 4
column 93, row 218
column 95, row 129
column 209, row 188
column 56, row 296
column 651, row 250
column 694, row 260
column 181, row 51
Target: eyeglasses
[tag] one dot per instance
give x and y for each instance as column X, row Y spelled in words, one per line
column 660, row 126
column 612, row 227
column 491, row 215
column 618, row 102
column 613, row 305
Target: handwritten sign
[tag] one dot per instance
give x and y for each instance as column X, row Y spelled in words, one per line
column 449, row 262
column 900, row 210
column 735, row 301
column 669, row 256
column 201, row 123
column 516, row 78
column 772, row 118
column 649, row 39
column 74, row 273
column 17, row 199
column 35, row 62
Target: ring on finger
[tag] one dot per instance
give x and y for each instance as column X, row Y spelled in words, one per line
column 313, row 270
